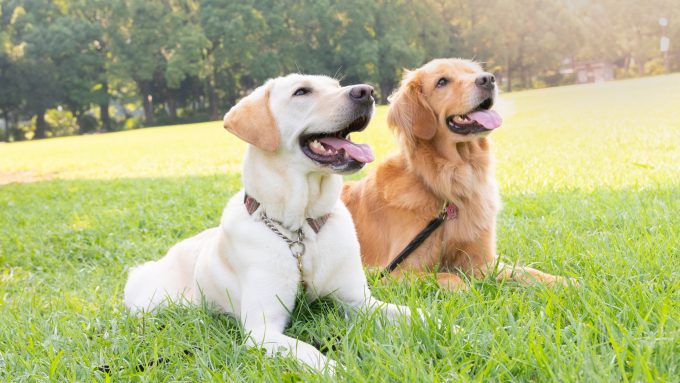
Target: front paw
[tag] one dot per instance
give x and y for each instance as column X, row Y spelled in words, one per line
column 331, row 367
column 564, row 282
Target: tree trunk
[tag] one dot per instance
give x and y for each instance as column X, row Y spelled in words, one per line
column 79, row 120
column 509, row 77
column 626, row 63
column 15, row 133
column 212, row 101
column 40, row 126
column 386, row 88
column 172, row 106
column 5, row 116
column 641, row 68
column 104, row 108
column 147, row 102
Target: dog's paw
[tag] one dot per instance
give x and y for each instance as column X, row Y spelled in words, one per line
column 331, row 367
column 423, row 315
column 564, row 282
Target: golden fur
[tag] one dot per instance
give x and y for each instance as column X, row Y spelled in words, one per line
column 395, row 202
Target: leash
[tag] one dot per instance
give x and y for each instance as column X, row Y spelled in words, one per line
column 448, row 212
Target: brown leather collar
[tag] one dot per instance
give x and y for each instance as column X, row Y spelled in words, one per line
column 315, row 223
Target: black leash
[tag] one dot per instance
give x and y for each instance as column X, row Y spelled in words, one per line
column 449, row 211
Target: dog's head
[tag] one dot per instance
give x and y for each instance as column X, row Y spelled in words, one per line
column 308, row 120
column 450, row 96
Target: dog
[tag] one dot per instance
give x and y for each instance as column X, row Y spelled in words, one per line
column 287, row 227
column 441, row 115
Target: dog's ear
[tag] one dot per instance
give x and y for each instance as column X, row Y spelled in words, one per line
column 410, row 111
column 251, row 120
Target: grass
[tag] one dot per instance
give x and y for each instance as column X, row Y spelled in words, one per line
column 590, row 178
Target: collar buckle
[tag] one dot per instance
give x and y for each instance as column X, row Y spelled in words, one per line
column 449, row 211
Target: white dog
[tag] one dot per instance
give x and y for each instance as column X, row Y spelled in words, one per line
column 287, row 227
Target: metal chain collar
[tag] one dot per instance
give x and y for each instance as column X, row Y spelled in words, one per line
column 297, row 247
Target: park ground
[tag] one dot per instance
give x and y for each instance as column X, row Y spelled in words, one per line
column 590, row 179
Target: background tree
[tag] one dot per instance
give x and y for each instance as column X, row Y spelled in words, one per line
column 38, row 70
column 167, row 61
column 10, row 91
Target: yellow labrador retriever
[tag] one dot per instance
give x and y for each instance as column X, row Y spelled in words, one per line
column 287, row 227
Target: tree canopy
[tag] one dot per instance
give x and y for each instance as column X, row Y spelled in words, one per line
column 76, row 66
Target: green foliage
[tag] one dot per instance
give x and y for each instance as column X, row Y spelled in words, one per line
column 181, row 60
column 63, row 122
column 587, row 193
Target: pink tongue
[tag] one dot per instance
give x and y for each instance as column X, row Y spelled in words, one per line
column 360, row 152
column 487, row 118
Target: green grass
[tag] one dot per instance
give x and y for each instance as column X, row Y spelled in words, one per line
column 590, row 178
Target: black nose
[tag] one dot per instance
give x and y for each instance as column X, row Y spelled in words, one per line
column 486, row 81
column 361, row 93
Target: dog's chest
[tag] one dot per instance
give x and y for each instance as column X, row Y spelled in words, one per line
column 475, row 212
column 327, row 254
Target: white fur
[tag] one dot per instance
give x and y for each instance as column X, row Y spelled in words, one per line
column 246, row 270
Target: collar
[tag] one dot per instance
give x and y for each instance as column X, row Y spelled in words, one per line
column 449, row 211
column 315, row 223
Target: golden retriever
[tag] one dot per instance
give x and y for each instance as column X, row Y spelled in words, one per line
column 441, row 115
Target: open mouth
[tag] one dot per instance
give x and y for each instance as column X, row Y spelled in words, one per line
column 480, row 120
column 336, row 150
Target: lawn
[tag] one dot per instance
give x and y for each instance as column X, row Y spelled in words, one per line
column 590, row 178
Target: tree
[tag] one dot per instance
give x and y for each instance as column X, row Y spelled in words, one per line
column 182, row 58
column 404, row 41
column 38, row 72
column 520, row 38
column 141, row 31
column 72, row 44
column 10, row 86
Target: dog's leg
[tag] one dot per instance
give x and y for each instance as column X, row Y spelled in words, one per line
column 264, row 316
column 360, row 300
column 522, row 274
column 479, row 259
column 450, row 281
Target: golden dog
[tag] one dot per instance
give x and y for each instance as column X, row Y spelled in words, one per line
column 441, row 116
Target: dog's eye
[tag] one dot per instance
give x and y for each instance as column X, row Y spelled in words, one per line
column 302, row 92
column 441, row 82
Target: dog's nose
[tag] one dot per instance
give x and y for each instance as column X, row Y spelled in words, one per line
column 486, row 81
column 361, row 93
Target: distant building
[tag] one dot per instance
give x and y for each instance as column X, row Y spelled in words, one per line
column 588, row 71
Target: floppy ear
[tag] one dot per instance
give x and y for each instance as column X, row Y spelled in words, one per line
column 410, row 111
column 251, row 120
